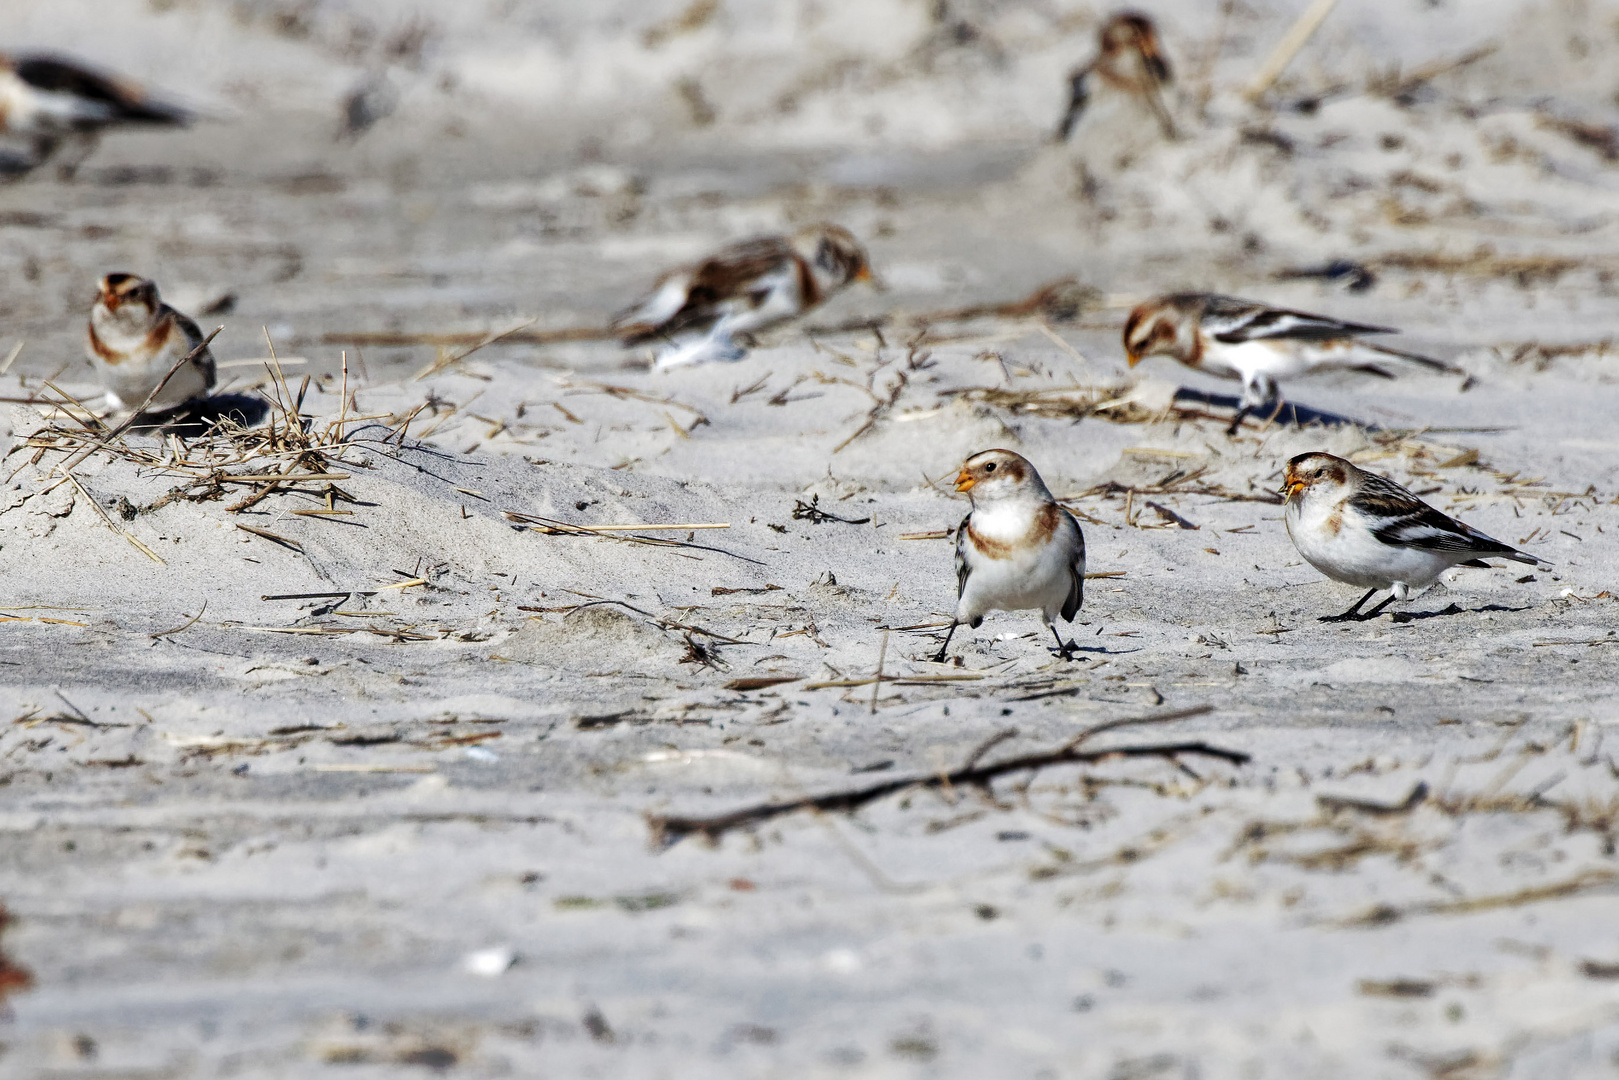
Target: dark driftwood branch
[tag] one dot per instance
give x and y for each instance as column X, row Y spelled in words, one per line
column 668, row 829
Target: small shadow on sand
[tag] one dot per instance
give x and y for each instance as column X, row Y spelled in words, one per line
column 196, row 418
column 1289, row 413
column 1413, row 616
column 1102, row 650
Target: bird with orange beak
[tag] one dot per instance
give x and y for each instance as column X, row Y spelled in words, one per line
column 1254, row 343
column 135, row 338
column 1017, row 550
column 698, row 311
column 1366, row 530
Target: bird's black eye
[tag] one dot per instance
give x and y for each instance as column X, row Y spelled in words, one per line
column 990, row 467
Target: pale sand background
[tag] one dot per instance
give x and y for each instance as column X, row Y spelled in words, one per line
column 197, row 893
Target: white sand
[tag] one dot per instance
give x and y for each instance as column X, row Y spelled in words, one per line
column 419, row 837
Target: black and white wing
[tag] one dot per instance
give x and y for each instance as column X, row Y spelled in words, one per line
column 1076, row 591
column 1400, row 519
column 194, row 337
column 1231, row 321
column 114, row 98
column 963, row 571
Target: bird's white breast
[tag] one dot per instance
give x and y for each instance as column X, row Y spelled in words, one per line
column 1031, row 575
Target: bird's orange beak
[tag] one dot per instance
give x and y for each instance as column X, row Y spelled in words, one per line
column 1292, row 485
column 1132, row 356
column 867, row 275
column 965, row 482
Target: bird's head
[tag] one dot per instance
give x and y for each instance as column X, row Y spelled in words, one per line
column 1315, row 471
column 128, row 290
column 835, row 255
column 1131, row 31
column 991, row 475
column 1163, row 326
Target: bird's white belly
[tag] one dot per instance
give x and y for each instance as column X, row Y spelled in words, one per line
column 127, row 383
column 1116, row 129
column 1351, row 554
column 1246, row 359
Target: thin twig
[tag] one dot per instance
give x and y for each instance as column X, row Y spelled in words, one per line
column 550, row 526
column 877, row 680
column 1288, row 47
column 183, row 626
column 668, row 829
column 488, row 339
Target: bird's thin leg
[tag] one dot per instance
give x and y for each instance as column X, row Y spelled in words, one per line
column 79, row 150
column 939, row 657
column 1065, row 651
column 1236, row 421
column 1371, row 613
column 1354, row 612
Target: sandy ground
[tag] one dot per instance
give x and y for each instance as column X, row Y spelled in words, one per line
column 410, row 823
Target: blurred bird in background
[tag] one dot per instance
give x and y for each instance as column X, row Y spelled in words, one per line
column 697, row 311
column 1256, row 344
column 49, row 103
column 1128, row 77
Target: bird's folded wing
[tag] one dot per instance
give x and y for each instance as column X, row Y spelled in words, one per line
column 963, row 571
column 194, row 337
column 1233, row 321
column 125, row 100
column 1400, row 520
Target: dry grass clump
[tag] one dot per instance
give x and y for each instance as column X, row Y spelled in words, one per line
column 214, row 451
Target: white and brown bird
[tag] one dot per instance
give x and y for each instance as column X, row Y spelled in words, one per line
column 135, row 338
column 696, row 312
column 1017, row 550
column 1128, row 73
column 1367, row 531
column 1254, row 343
column 48, row 102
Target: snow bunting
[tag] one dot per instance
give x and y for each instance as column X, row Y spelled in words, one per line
column 1018, row 550
column 697, row 311
column 1129, row 69
column 135, row 339
column 1258, row 344
column 1365, row 530
column 47, row 101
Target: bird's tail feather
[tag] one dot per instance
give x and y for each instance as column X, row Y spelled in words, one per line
column 1415, row 358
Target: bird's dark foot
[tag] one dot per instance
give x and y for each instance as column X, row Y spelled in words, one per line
column 1355, row 614
column 1064, row 649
